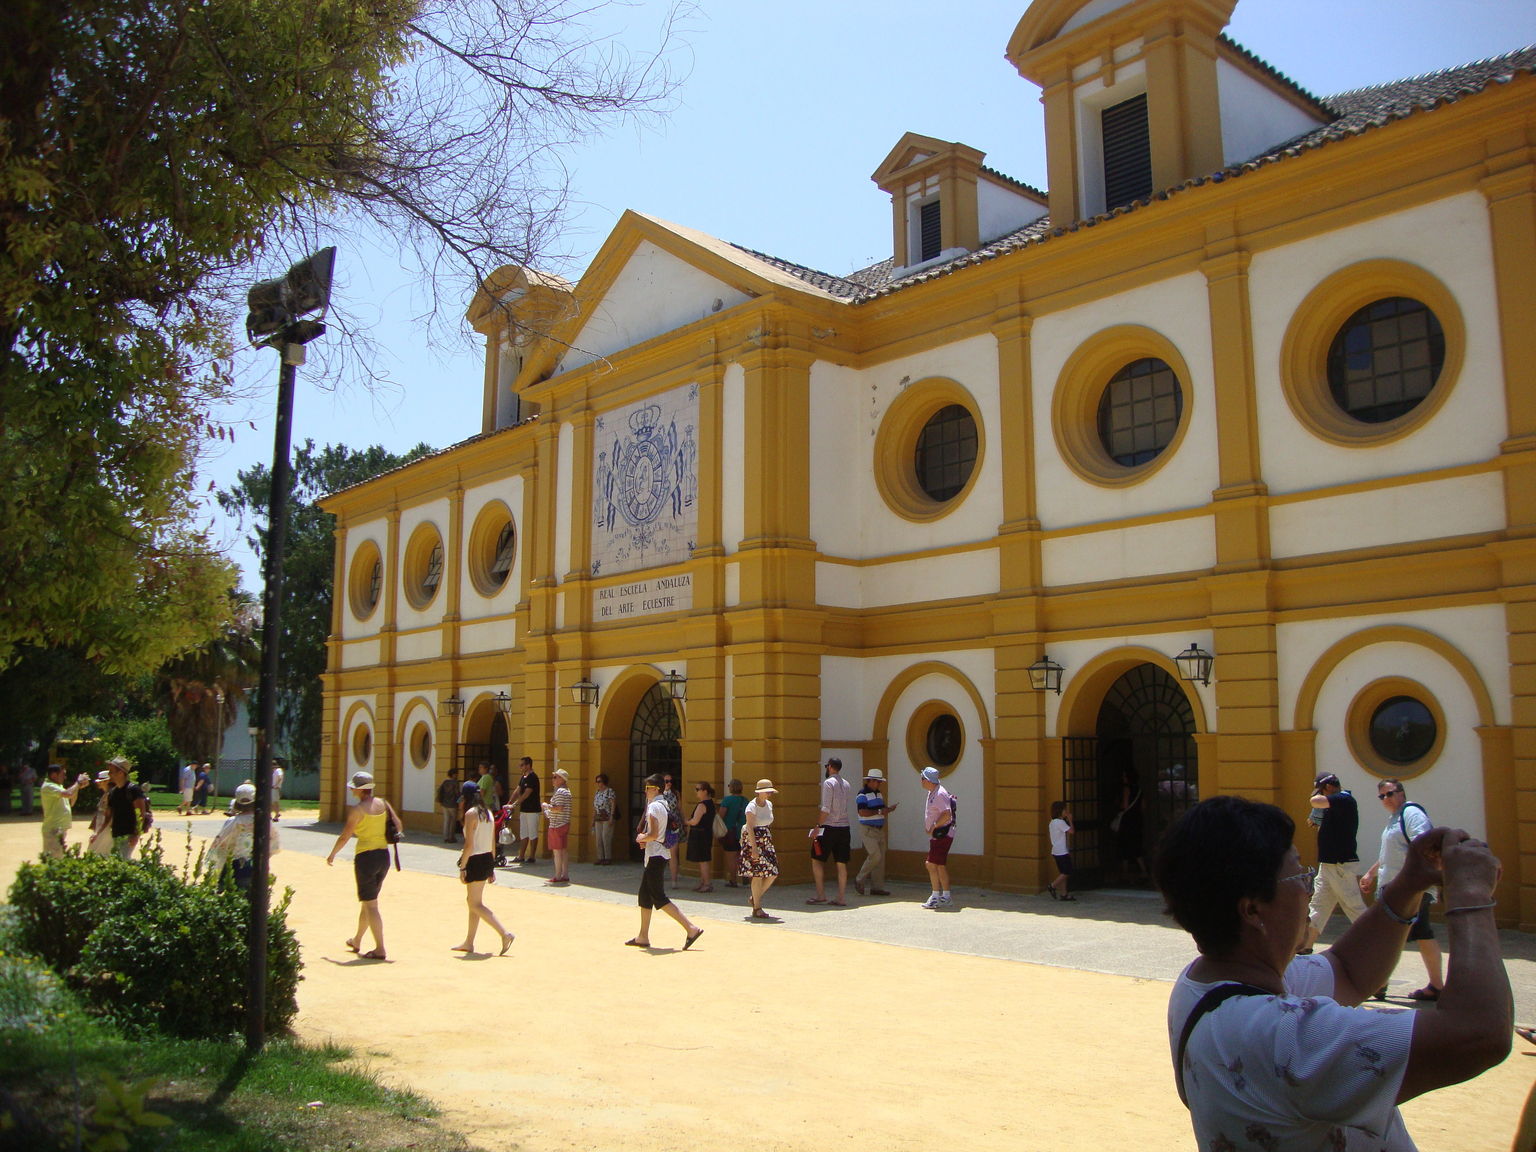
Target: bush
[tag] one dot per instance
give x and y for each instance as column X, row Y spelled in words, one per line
column 149, row 949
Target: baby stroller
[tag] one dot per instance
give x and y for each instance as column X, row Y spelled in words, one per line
column 506, row 833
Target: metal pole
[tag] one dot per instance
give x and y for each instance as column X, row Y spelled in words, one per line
column 272, row 606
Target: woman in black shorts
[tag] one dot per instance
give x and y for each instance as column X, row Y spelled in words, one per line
column 367, row 819
column 477, row 867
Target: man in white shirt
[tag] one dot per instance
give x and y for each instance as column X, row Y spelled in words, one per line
column 1406, row 822
column 187, row 782
column 835, row 838
column 277, row 789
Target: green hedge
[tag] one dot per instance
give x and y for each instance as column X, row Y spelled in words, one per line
column 149, row 948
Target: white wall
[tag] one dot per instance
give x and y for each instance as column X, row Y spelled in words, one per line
column 508, row 490
column 1450, row 239
column 1179, row 310
column 418, row 786
column 1000, row 211
column 1451, row 507
column 656, row 293
column 1123, row 553
column 1253, row 117
column 849, row 517
column 851, row 689
column 375, row 531
column 434, row 512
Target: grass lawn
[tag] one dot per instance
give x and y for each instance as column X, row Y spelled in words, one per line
column 68, row 1080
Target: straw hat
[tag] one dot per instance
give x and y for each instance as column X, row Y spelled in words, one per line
column 765, row 786
column 245, row 796
column 874, row 774
column 361, row 780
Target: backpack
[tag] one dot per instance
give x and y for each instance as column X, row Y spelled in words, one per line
column 954, row 815
column 1403, row 826
column 674, row 830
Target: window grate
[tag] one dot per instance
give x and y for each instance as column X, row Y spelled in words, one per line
column 930, row 230
column 1127, row 152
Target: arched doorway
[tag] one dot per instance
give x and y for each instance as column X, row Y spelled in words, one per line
column 1145, row 732
column 655, row 745
column 492, row 747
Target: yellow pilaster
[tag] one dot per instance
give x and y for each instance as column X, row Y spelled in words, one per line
column 1510, row 189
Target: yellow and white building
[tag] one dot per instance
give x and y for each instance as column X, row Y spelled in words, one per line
column 1256, row 376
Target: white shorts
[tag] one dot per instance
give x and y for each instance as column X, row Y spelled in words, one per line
column 186, row 795
column 528, row 825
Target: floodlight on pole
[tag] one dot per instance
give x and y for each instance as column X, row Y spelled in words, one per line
column 280, row 317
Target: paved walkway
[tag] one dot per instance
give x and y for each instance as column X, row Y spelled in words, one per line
column 1011, row 1022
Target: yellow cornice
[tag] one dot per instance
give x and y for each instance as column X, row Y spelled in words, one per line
column 481, row 460
column 1043, row 53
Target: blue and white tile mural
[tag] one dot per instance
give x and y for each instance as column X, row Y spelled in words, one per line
column 645, row 483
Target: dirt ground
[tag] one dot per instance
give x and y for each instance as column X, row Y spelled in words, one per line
column 781, row 1040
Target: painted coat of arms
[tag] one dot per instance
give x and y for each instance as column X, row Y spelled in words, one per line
column 645, row 484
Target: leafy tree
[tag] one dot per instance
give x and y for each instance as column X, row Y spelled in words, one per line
column 308, row 568
column 151, row 153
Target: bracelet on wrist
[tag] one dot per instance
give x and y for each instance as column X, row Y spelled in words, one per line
column 1392, row 913
column 1471, row 908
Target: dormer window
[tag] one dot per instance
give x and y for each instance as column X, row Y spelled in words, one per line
column 1127, row 152
column 930, row 232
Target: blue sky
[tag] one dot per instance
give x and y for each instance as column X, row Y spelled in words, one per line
column 786, row 109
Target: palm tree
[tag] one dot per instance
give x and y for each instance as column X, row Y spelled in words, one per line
column 201, row 689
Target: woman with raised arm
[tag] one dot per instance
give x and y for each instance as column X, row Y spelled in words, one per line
column 1270, row 1049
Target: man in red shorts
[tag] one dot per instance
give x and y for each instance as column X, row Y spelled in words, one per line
column 939, row 823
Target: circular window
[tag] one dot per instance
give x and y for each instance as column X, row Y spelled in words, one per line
column 1121, row 406
column 1385, row 359
column 421, row 745
column 945, row 740
column 1139, row 411
column 1396, row 727
column 362, row 745
column 1402, row 730
column 1372, row 353
column 928, row 450
column 946, row 453
column 935, row 736
column 423, row 566
column 492, row 548
column 366, row 582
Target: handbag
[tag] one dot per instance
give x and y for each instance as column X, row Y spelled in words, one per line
column 719, row 828
column 1114, row 822
column 394, row 832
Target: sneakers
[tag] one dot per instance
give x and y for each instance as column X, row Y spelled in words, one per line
column 932, row 901
column 945, row 901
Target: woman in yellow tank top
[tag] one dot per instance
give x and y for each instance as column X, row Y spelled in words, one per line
column 367, row 821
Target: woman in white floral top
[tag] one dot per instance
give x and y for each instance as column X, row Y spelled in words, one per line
column 236, row 841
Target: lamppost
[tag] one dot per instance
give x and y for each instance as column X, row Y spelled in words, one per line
column 276, row 320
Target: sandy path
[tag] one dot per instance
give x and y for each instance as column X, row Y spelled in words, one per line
column 574, row 1041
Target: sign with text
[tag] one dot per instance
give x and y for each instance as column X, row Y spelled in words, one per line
column 643, row 598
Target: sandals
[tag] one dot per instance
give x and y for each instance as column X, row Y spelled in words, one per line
column 506, row 943
column 817, row 900
column 376, row 954
column 1427, row 994
column 635, row 943
column 352, row 945
column 687, row 944
column 1069, row 899
column 1055, row 895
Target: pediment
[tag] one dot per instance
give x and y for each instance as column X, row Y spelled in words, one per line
column 914, row 149
column 655, row 292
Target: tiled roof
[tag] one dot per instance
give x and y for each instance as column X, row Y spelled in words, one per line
column 475, row 439
column 1355, row 112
